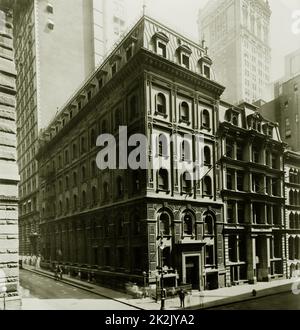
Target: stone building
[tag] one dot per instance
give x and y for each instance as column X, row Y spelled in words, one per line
column 53, row 39
column 237, row 33
column 9, row 273
column 292, row 211
column 251, row 154
column 120, row 225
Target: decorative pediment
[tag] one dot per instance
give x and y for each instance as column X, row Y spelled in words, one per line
column 161, row 36
column 185, row 49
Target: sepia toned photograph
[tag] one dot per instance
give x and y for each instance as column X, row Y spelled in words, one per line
column 149, row 157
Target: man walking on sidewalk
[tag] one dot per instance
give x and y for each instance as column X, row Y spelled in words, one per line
column 182, row 297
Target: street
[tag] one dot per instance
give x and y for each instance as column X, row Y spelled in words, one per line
column 43, row 293
column 283, row 301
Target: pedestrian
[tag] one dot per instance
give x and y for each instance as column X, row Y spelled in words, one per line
column 60, row 272
column 182, row 298
column 56, row 272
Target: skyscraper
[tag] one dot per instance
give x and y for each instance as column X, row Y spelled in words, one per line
column 8, row 165
column 237, row 34
column 53, row 40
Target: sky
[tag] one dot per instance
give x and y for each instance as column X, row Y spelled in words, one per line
column 181, row 15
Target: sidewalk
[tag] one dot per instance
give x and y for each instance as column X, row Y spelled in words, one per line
column 197, row 300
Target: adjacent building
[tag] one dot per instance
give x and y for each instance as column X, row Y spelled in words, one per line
column 251, row 155
column 285, row 107
column 9, row 178
column 237, row 34
column 53, row 40
column 292, row 212
column 120, row 225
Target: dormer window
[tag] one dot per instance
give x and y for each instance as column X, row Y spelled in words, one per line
column 232, row 116
column 206, row 72
column 161, row 49
column 161, row 40
column 185, row 61
column 184, row 53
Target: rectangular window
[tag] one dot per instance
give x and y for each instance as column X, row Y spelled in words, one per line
column 185, row 61
column 128, row 53
column 114, row 69
column 230, row 212
column 240, row 181
column 161, row 49
column 209, row 254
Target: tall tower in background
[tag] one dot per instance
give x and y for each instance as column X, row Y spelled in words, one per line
column 9, row 273
column 58, row 43
column 237, row 34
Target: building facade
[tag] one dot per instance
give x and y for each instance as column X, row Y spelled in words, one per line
column 253, row 178
column 120, row 225
column 9, row 178
column 53, row 40
column 237, row 34
column 292, row 212
column 285, row 107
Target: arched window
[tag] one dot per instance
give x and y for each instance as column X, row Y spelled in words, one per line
column 83, row 173
column 297, row 246
column 186, row 154
column 207, row 156
column 136, row 182
column 93, row 168
column 67, row 182
column 83, row 146
column 120, row 226
column 235, row 120
column 205, row 119
column 74, row 151
column 74, row 179
column 133, row 107
column 67, row 205
column 291, row 197
column 83, row 199
column 163, row 179
column 208, row 225
column 120, row 188
column 117, row 119
column 207, row 187
column 75, row 201
column 93, row 139
column 136, row 223
column 60, row 207
column 188, row 224
column 291, row 248
column 291, row 176
column 184, row 112
column 105, row 191
column 186, row 183
column 94, row 195
column 161, row 103
column 163, row 147
column 104, row 127
column 164, row 224
column 292, row 221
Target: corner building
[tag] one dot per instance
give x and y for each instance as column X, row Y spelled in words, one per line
column 109, row 225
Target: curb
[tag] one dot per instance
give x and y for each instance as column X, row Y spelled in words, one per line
column 268, row 292
column 80, row 287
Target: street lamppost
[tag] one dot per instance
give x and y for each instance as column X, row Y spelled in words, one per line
column 145, row 276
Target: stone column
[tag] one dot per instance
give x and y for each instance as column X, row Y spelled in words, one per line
column 251, row 260
column 265, row 262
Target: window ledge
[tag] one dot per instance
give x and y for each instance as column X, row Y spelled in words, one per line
column 157, row 113
column 183, row 121
column 163, row 190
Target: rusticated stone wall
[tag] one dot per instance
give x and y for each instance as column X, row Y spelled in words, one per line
column 9, row 271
